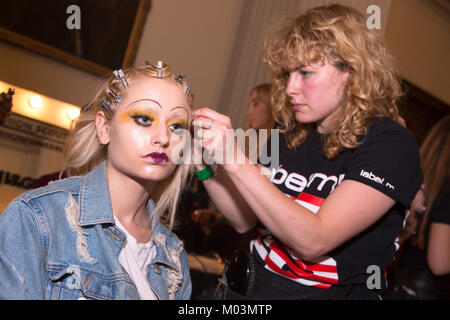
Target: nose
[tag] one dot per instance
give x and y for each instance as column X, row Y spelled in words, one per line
column 248, row 111
column 160, row 136
column 294, row 85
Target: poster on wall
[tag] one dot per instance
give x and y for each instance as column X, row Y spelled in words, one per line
column 29, row 150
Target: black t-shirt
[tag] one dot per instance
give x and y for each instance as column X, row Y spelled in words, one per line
column 415, row 259
column 440, row 211
column 387, row 160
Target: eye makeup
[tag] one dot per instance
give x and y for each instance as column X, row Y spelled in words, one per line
column 140, row 116
column 144, row 117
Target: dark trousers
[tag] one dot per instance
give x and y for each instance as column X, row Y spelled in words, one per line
column 270, row 286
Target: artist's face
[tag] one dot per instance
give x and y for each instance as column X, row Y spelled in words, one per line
column 146, row 128
column 258, row 111
column 316, row 93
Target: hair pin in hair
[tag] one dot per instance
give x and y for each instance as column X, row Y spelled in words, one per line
column 179, row 78
column 159, row 66
column 115, row 96
column 107, row 105
column 120, row 76
column 188, row 90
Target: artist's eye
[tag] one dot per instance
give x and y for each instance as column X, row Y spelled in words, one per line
column 142, row 120
column 305, row 74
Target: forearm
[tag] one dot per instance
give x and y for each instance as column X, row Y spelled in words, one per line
column 229, row 202
column 340, row 217
column 296, row 226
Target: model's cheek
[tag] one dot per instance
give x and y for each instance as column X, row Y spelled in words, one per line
column 139, row 138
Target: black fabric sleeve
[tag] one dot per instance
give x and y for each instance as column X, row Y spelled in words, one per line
column 388, row 160
column 440, row 211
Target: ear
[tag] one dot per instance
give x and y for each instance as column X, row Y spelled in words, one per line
column 103, row 126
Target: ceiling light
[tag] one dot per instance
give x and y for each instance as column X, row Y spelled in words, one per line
column 35, row 101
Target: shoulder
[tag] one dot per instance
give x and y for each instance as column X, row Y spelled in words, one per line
column 68, row 185
column 38, row 201
column 383, row 127
column 388, row 159
column 390, row 140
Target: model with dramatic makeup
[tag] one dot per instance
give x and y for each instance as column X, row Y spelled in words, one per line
column 105, row 232
column 335, row 202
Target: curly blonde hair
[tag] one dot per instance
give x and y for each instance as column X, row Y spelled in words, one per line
column 83, row 151
column 338, row 34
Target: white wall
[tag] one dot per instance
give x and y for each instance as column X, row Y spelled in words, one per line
column 195, row 38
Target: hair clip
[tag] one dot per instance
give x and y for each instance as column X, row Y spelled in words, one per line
column 159, row 67
column 119, row 75
column 179, row 78
column 107, row 105
column 188, row 90
column 115, row 96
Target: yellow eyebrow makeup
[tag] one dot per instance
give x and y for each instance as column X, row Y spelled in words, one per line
column 130, row 115
column 135, row 113
column 181, row 121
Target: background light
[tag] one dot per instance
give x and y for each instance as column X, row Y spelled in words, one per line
column 73, row 113
column 35, row 101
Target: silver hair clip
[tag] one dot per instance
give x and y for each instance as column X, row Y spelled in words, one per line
column 188, row 90
column 179, row 78
column 115, row 96
column 119, row 75
column 159, row 66
column 107, row 105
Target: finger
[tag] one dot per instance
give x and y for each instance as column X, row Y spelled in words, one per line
column 202, row 122
column 211, row 114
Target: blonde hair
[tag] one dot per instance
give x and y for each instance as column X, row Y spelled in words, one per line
column 435, row 158
column 339, row 35
column 264, row 91
column 83, row 151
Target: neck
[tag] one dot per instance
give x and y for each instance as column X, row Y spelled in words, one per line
column 128, row 197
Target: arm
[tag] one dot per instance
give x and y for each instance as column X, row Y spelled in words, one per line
column 229, row 202
column 416, row 209
column 221, row 189
column 438, row 255
column 341, row 216
column 22, row 257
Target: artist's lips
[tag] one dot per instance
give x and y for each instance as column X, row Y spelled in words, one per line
column 157, row 157
column 298, row 106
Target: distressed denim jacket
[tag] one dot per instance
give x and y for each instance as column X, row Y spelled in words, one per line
column 61, row 242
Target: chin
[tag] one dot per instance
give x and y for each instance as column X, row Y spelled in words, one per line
column 304, row 118
column 158, row 173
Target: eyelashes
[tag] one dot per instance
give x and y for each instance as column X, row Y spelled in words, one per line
column 177, row 125
column 142, row 119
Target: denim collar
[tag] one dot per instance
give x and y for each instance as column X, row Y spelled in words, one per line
column 95, row 202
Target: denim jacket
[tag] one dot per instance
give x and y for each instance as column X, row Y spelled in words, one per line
column 61, row 242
